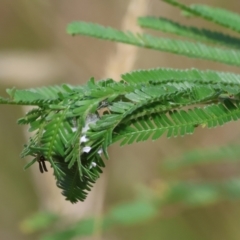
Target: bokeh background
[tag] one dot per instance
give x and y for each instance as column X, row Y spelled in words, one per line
column 35, row 51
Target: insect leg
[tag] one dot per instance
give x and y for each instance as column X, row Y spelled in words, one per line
column 40, row 166
column 44, row 166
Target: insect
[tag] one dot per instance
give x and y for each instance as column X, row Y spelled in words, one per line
column 42, row 165
column 103, row 108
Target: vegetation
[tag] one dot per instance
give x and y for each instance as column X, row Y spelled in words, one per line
column 144, row 104
column 73, row 126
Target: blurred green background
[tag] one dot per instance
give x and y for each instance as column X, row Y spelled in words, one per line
column 191, row 202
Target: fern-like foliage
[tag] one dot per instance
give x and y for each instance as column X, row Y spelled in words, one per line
column 204, row 35
column 217, row 15
column 71, row 135
column 73, row 126
column 186, row 48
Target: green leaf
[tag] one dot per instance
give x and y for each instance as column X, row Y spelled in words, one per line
column 196, row 50
column 193, row 194
column 38, row 221
column 220, row 154
column 132, row 213
column 197, row 34
column 220, row 16
column 178, row 122
column 83, row 228
column 166, row 75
